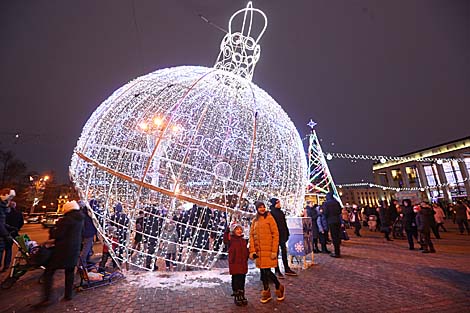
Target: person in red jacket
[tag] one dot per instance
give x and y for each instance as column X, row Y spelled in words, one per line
column 237, row 261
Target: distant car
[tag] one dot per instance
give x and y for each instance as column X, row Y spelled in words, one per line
column 34, row 218
column 51, row 219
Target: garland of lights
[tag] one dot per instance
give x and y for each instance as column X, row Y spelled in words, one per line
column 383, row 159
column 371, row 185
column 192, row 148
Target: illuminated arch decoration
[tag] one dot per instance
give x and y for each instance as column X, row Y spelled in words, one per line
column 192, row 147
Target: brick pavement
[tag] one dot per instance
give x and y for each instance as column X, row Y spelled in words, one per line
column 372, row 276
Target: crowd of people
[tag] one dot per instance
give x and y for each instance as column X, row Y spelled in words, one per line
column 263, row 239
column 415, row 222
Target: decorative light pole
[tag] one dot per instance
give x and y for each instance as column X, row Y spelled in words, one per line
column 38, row 185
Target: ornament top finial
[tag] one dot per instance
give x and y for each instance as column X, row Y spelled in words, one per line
column 311, row 124
column 239, row 50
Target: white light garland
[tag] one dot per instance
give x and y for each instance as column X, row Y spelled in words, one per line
column 207, row 137
column 383, row 159
column 372, row 185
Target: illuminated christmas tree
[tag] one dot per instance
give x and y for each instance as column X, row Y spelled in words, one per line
column 320, row 181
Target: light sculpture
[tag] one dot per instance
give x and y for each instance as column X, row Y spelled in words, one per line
column 191, row 147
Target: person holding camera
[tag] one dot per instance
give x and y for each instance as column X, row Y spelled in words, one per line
column 264, row 243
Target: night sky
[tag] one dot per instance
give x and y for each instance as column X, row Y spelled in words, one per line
column 379, row 77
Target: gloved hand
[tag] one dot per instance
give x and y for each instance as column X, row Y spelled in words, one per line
column 273, row 255
column 253, row 256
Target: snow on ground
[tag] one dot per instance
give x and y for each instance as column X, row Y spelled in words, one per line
column 184, row 280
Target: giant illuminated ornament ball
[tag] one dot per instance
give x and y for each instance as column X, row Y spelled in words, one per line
column 175, row 155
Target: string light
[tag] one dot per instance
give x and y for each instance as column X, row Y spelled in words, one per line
column 207, row 137
column 384, row 159
column 372, row 185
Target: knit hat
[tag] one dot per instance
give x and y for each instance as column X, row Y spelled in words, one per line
column 7, row 194
column 118, row 208
column 234, row 226
column 70, row 206
column 273, row 201
column 258, row 204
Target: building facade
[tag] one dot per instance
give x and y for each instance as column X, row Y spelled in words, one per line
column 441, row 172
column 363, row 195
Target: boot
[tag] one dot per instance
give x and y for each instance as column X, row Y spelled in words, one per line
column 242, row 296
column 237, row 298
column 265, row 296
column 281, row 293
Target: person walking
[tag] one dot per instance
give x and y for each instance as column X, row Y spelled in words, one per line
column 439, row 216
column 356, row 220
column 66, row 237
column 237, row 261
column 281, row 223
column 385, row 219
column 423, row 221
column 461, row 217
column 409, row 221
column 14, row 219
column 332, row 211
column 264, row 244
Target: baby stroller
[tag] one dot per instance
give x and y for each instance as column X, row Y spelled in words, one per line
column 91, row 277
column 30, row 256
column 372, row 223
column 397, row 228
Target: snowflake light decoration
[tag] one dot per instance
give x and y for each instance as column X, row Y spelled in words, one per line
column 190, row 147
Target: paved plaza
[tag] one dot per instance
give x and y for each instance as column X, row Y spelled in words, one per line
column 372, row 276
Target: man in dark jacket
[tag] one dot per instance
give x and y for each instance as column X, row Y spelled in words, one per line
column 14, row 219
column 409, row 221
column 385, row 219
column 280, row 219
column 423, row 220
column 67, row 237
column 461, row 217
column 332, row 210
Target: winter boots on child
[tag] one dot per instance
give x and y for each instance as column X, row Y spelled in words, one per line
column 239, row 297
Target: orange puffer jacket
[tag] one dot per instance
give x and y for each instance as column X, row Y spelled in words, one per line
column 264, row 240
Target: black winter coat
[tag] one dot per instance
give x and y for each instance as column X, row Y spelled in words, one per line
column 68, row 238
column 385, row 216
column 15, row 219
column 280, row 219
column 332, row 210
column 3, row 227
column 409, row 218
column 424, row 219
column 313, row 214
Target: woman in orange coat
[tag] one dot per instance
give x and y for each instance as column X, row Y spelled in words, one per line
column 264, row 242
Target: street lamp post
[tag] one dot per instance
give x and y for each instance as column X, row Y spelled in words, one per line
column 38, row 184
